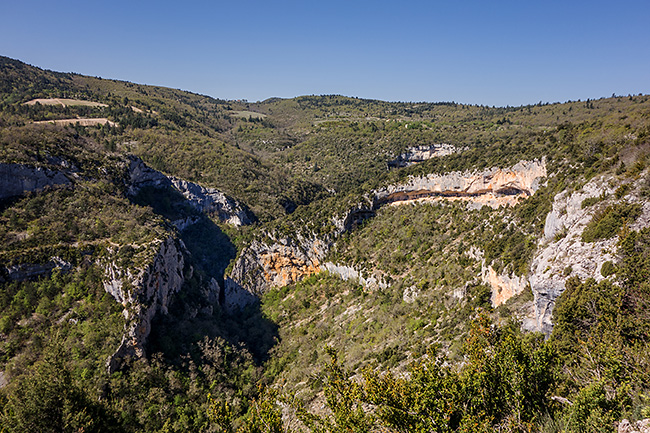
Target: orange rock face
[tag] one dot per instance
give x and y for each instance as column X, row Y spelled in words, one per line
column 283, row 268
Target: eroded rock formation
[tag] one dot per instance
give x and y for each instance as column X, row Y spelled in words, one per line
column 29, row 271
column 143, row 293
column 493, row 187
column 263, row 265
column 207, row 200
column 16, row 179
column 212, row 201
column 370, row 282
column 504, row 286
column 562, row 252
column 260, row 267
column 417, row 154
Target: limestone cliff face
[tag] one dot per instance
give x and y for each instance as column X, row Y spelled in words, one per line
column 141, row 175
column 261, row 267
column 29, row 271
column 563, row 254
column 504, row 286
column 416, row 154
column 369, row 281
column 208, row 200
column 277, row 263
column 493, row 187
column 212, row 201
column 16, row 179
column 144, row 293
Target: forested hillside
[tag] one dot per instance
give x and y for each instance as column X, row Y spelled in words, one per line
column 174, row 262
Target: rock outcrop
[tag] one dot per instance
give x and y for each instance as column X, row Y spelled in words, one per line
column 207, row 200
column 417, row 154
column 30, row 271
column 144, row 293
column 141, row 175
column 212, row 201
column 493, row 187
column 370, row 282
column 16, row 179
column 641, row 426
column 504, row 286
column 261, row 267
column 563, row 254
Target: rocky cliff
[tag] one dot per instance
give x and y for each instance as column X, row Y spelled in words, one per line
column 493, row 187
column 367, row 280
column 207, row 200
column 16, row 179
column 416, row 154
column 562, row 253
column 145, row 292
column 30, row 271
column 262, row 266
column 212, row 201
column 275, row 263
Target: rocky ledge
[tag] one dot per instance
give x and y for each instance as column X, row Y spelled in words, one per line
column 207, row 200
column 493, row 187
column 16, row 179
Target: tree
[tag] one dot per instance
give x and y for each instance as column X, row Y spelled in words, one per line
column 48, row 400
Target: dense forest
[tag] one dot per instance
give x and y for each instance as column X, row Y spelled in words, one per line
column 133, row 300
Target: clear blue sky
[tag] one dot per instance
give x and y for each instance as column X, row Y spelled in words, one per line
column 481, row 52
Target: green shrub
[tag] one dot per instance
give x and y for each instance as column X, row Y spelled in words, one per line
column 590, row 201
column 605, row 224
column 622, row 190
column 608, row 268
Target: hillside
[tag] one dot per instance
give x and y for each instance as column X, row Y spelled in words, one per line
column 174, row 262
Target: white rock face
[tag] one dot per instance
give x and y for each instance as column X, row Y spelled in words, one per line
column 16, row 179
column 562, row 253
column 261, row 266
column 144, row 293
column 493, row 187
column 209, row 200
column 416, row 154
column 504, row 286
column 141, row 175
column 641, row 426
column 28, row 271
column 212, row 201
column 371, row 282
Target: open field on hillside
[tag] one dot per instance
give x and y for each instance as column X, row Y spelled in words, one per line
column 248, row 114
column 81, row 122
column 64, row 102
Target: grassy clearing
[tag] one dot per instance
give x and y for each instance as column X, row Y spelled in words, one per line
column 247, row 114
